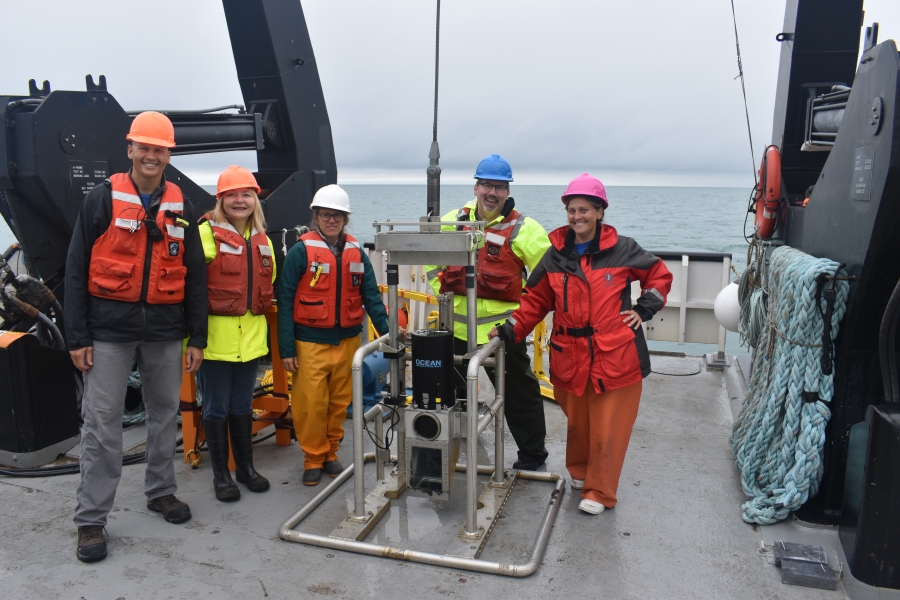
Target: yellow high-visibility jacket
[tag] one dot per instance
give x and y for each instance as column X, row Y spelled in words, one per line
column 530, row 244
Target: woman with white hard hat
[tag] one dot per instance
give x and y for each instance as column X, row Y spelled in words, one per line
column 327, row 285
column 598, row 355
column 240, row 271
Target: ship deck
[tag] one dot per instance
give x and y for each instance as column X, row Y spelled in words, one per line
column 676, row 532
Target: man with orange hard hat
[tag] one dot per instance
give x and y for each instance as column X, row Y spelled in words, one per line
column 135, row 289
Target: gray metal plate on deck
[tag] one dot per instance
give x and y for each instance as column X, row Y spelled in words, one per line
column 674, row 365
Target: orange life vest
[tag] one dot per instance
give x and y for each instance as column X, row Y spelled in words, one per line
column 499, row 270
column 119, row 256
column 328, row 293
column 239, row 278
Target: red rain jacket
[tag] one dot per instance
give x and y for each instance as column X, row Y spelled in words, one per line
column 589, row 339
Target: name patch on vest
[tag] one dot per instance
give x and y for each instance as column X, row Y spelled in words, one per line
column 173, row 248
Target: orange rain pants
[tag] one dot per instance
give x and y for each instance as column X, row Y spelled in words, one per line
column 599, row 430
column 322, row 392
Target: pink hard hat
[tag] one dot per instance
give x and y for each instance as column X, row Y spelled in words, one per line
column 586, row 185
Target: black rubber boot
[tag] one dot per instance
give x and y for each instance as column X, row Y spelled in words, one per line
column 242, row 446
column 217, row 442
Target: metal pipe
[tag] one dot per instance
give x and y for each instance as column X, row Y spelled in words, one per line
column 500, row 404
column 393, row 281
column 472, row 441
column 379, row 453
column 356, row 373
column 470, row 564
column 471, row 305
column 485, row 419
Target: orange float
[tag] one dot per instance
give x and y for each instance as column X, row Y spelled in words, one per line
column 768, row 193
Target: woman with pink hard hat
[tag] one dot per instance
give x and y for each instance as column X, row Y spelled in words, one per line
column 598, row 354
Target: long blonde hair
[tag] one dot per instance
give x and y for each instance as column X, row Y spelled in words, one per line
column 257, row 219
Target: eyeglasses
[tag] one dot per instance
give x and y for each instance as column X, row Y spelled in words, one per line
column 331, row 216
column 500, row 187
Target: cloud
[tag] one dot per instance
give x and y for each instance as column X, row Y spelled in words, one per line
column 640, row 92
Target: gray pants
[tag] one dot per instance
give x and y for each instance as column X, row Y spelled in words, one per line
column 101, row 435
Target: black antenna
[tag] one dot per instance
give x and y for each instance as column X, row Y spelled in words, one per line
column 433, row 202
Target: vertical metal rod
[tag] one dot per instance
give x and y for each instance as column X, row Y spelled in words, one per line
column 397, row 383
column 379, row 453
column 726, row 272
column 393, row 280
column 356, row 373
column 472, row 447
column 500, row 388
column 471, row 304
column 471, row 526
column 682, row 312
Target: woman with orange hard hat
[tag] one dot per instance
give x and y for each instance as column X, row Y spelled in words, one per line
column 240, row 271
column 598, row 355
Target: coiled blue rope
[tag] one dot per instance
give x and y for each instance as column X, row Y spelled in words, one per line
column 778, row 437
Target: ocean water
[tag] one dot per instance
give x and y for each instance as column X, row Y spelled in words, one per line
column 658, row 218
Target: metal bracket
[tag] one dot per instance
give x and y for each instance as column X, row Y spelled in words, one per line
column 492, row 501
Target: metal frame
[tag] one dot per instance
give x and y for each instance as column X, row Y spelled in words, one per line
column 426, row 246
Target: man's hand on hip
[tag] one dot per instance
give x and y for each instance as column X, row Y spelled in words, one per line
column 83, row 358
column 192, row 359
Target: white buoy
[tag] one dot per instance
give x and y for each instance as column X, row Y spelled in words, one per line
column 728, row 308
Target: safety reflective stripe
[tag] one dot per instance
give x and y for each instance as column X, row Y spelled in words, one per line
column 326, row 267
column 502, row 226
column 495, row 239
column 519, row 222
column 225, row 225
column 253, row 232
column 316, row 243
column 513, row 320
column 265, row 250
column 228, row 249
column 656, row 293
column 462, row 215
column 351, row 245
column 433, row 273
column 458, row 318
column 357, row 268
column 175, row 232
column 126, row 197
column 179, row 206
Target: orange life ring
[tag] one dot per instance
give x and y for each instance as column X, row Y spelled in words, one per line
column 768, row 193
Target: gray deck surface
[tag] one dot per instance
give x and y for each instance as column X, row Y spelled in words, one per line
column 676, row 533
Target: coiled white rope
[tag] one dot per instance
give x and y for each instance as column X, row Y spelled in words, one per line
column 778, row 437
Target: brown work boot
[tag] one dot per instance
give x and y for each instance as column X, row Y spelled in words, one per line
column 173, row 509
column 91, row 543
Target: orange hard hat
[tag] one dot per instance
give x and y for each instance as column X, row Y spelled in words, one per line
column 235, row 178
column 152, row 128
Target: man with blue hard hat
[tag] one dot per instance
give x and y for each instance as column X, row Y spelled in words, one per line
column 512, row 244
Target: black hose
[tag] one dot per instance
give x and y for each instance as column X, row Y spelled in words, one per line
column 24, row 102
column 58, row 341
column 887, row 347
column 135, row 458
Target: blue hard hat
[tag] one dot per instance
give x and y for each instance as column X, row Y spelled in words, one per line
column 494, row 167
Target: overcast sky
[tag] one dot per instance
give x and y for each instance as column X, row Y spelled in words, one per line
column 638, row 93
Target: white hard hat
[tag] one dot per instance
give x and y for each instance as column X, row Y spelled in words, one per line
column 332, row 196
